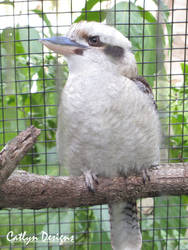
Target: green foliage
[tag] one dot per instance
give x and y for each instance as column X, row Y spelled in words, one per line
column 7, row 2
column 170, row 214
column 29, row 105
column 184, row 68
column 28, row 96
column 89, row 15
column 165, row 223
column 147, row 48
column 178, row 143
column 89, row 229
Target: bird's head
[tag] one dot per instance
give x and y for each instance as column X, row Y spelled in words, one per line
column 96, row 45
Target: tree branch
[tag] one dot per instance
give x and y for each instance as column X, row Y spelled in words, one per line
column 15, row 150
column 24, row 190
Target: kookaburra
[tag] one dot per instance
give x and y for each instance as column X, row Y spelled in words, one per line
column 108, row 124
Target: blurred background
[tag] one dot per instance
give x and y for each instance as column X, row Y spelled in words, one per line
column 31, row 77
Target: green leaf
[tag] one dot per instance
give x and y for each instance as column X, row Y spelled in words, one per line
column 102, row 212
column 97, row 16
column 184, row 68
column 91, row 3
column 7, row 3
column 26, row 218
column 8, row 60
column 30, row 40
column 177, row 119
column 167, row 214
column 87, row 14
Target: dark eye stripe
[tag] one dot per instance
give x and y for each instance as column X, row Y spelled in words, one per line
column 114, row 51
column 94, row 41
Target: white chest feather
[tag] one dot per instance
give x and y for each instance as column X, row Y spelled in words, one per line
column 106, row 124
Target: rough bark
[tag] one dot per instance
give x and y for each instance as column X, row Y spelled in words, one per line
column 15, row 150
column 24, row 190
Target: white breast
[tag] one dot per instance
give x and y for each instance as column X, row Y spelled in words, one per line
column 106, row 124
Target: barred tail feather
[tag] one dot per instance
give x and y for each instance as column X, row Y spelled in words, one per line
column 125, row 229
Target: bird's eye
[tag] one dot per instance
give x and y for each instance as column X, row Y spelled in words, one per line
column 94, row 41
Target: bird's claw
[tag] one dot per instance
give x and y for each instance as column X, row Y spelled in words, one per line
column 146, row 175
column 146, row 172
column 90, row 179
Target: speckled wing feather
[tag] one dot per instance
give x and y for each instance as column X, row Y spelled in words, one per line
column 144, row 86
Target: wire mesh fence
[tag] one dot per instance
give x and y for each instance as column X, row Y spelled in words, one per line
column 31, row 78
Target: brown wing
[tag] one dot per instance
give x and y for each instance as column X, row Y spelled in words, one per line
column 144, row 87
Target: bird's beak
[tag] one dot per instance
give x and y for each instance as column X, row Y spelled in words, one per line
column 63, row 45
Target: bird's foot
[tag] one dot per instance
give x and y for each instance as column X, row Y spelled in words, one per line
column 146, row 172
column 146, row 175
column 90, row 179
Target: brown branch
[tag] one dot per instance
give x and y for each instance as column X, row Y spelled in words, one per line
column 24, row 190
column 15, row 150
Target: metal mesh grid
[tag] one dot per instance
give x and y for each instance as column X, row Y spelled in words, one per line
column 29, row 79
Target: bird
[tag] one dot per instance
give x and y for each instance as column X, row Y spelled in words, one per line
column 108, row 123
